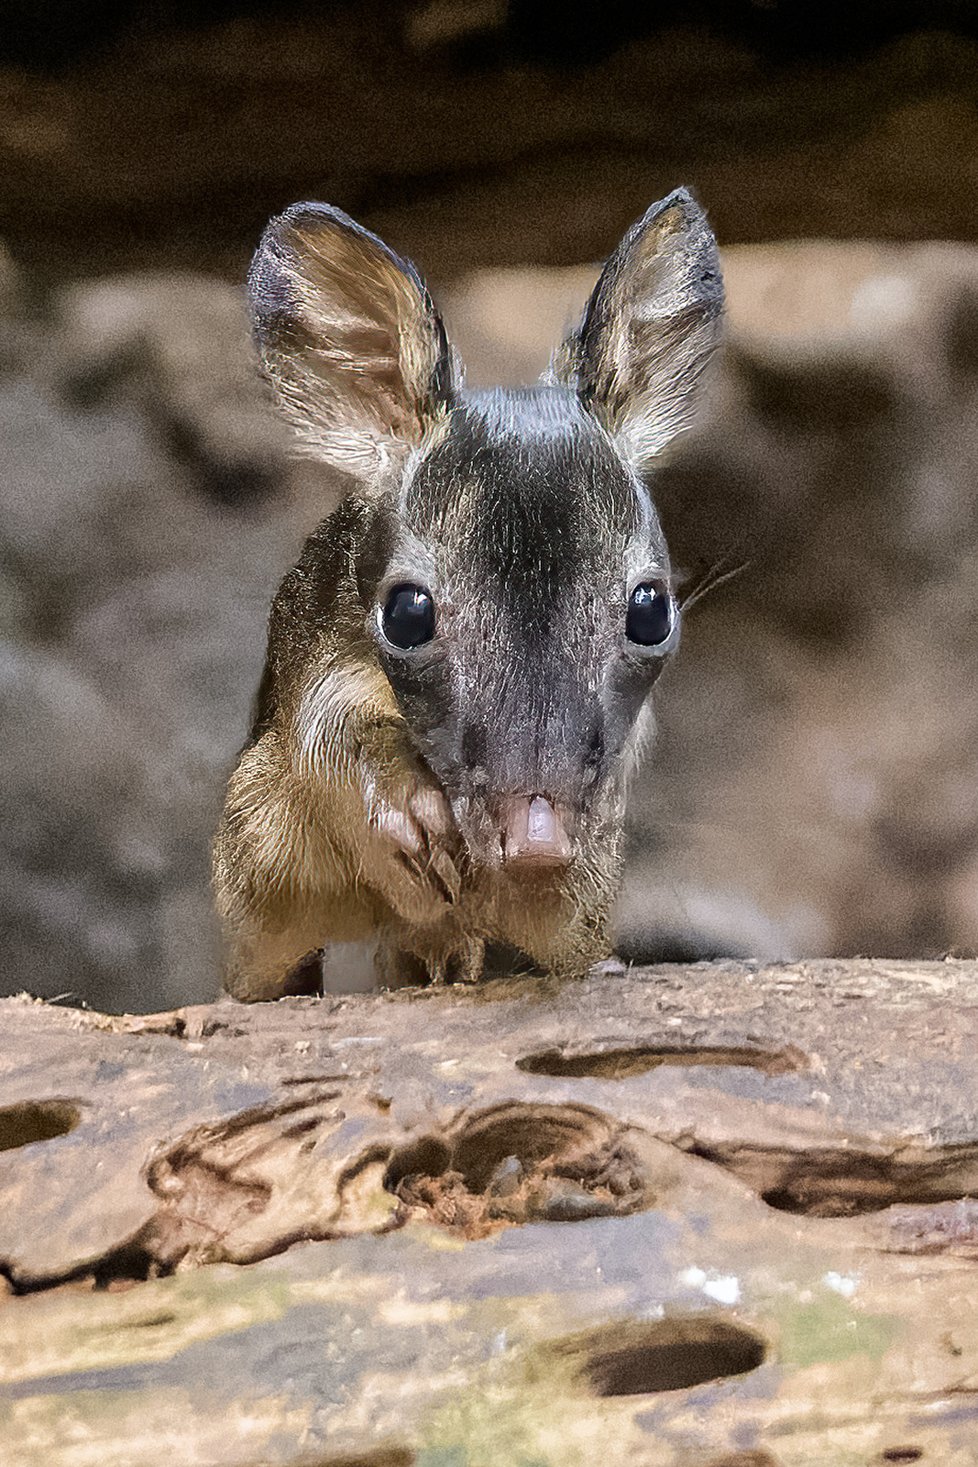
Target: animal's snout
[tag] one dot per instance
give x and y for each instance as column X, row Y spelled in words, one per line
column 536, row 832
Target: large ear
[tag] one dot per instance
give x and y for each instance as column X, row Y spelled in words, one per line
column 349, row 338
column 649, row 329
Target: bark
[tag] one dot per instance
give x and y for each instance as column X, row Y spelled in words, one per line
column 720, row 1214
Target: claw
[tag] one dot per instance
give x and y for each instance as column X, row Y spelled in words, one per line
column 399, row 826
column 416, row 829
column 430, row 809
column 411, row 865
column 445, row 869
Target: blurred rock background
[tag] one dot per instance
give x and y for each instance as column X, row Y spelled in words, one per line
column 815, row 786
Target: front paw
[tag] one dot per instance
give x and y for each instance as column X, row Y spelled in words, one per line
column 413, row 849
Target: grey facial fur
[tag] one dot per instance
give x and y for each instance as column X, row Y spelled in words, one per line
column 523, row 521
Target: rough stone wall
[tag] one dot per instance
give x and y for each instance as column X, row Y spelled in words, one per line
column 170, row 147
column 146, row 514
column 818, row 779
column 813, row 790
column 814, row 785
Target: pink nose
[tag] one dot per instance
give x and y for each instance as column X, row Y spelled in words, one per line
column 535, row 832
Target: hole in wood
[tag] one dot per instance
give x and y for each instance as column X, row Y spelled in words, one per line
column 36, row 1120
column 225, row 1190
column 118, row 1271
column 754, row 1458
column 622, row 1064
column 902, row 1454
column 520, row 1163
column 847, row 1181
column 638, row 1358
column 385, row 1457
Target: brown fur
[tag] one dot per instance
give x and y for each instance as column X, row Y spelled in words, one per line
column 300, row 862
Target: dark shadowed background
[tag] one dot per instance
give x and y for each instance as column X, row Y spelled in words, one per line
column 815, row 786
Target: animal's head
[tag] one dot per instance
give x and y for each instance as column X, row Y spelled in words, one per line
column 515, row 582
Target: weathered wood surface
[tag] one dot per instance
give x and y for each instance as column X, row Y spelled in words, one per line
column 739, row 1230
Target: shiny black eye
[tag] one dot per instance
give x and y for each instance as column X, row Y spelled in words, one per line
column 409, row 617
column 651, row 615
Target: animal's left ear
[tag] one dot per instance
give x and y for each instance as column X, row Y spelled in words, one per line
column 649, row 329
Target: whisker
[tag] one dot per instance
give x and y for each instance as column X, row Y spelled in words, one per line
column 711, row 580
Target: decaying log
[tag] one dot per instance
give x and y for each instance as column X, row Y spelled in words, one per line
column 719, row 1216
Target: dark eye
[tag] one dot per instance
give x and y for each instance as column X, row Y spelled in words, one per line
column 651, row 615
column 409, row 617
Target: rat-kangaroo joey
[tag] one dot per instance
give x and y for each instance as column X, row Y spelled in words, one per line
column 459, row 667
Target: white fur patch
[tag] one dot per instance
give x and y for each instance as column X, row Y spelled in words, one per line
column 337, row 698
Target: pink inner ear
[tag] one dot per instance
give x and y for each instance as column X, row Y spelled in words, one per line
column 535, row 833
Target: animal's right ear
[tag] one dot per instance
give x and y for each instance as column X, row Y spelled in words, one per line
column 350, row 340
column 649, row 329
